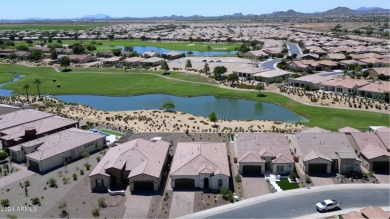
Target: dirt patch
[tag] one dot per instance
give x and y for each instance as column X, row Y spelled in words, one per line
column 207, row 200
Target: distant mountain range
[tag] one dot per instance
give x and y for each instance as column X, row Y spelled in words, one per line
column 289, row 13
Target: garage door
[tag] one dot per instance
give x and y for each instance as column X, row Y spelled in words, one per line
column 184, row 183
column 251, row 170
column 33, row 165
column 317, row 168
column 381, row 166
column 143, row 185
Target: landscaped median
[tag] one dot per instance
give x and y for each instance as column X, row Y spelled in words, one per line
column 120, row 83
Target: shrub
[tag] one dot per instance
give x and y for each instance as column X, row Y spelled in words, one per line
column 3, row 155
column 35, row 201
column 237, row 178
column 102, row 202
column 81, row 172
column 87, row 166
column 74, row 176
column 4, row 202
column 230, row 196
column 98, row 159
column 96, row 212
column 52, row 182
column 26, row 183
column 65, row 180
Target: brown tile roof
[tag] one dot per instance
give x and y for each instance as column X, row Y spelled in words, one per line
column 325, row 145
column 348, row 130
column 363, row 139
column 353, row 215
column 261, row 144
column 315, row 130
column 191, row 157
column 41, row 126
column 379, row 87
column 374, row 212
column 337, row 56
column 371, row 151
column 21, row 117
column 327, row 63
column 346, row 83
column 385, row 138
column 60, row 142
column 385, row 71
column 138, row 156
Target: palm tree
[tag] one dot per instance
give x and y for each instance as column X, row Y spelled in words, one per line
column 38, row 82
column 26, row 87
column 208, row 50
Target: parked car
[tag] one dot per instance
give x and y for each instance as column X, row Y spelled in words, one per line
column 211, row 61
column 236, row 198
column 204, row 60
column 218, row 61
column 327, row 205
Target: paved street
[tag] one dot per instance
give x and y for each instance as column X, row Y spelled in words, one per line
column 270, row 64
column 294, row 48
column 182, row 204
column 300, row 202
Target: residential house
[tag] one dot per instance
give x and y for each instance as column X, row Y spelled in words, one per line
column 172, row 55
column 344, row 85
column 57, row 149
column 255, row 54
column 4, row 109
column 138, row 163
column 200, row 165
column 308, row 56
column 258, row 153
column 321, row 153
column 334, row 57
column 151, row 62
column 373, row 149
column 20, row 117
column 375, row 72
column 272, row 76
column 328, row 65
column 150, row 54
column 35, row 129
column 132, row 61
column 312, row 81
column 374, row 90
column 81, row 58
column 249, row 72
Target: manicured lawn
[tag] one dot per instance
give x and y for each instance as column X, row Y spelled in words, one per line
column 46, row 27
column 119, row 83
column 286, row 185
column 195, row 46
column 6, row 77
column 111, row 132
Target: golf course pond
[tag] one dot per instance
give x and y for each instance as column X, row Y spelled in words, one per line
column 225, row 107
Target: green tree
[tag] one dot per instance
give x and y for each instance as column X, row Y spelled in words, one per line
column 168, row 105
column 206, row 68
column 232, row 77
column 164, row 67
column 53, row 54
column 3, row 155
column 52, row 182
column 129, row 49
column 188, row 64
column 22, row 48
column 85, row 155
column 35, row 55
column 26, row 87
column 260, row 87
column 208, row 50
column 78, row 48
column 213, row 118
column 91, row 47
column 38, row 82
column 65, row 62
column 116, row 52
column 4, row 202
column 12, row 56
column 218, row 71
column 386, row 97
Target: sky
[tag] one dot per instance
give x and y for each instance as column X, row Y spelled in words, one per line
column 22, row 9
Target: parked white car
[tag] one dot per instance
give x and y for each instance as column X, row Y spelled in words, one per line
column 327, row 205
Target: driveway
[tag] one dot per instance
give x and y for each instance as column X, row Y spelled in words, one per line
column 321, row 180
column 182, row 204
column 137, row 206
column 383, row 178
column 254, row 186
